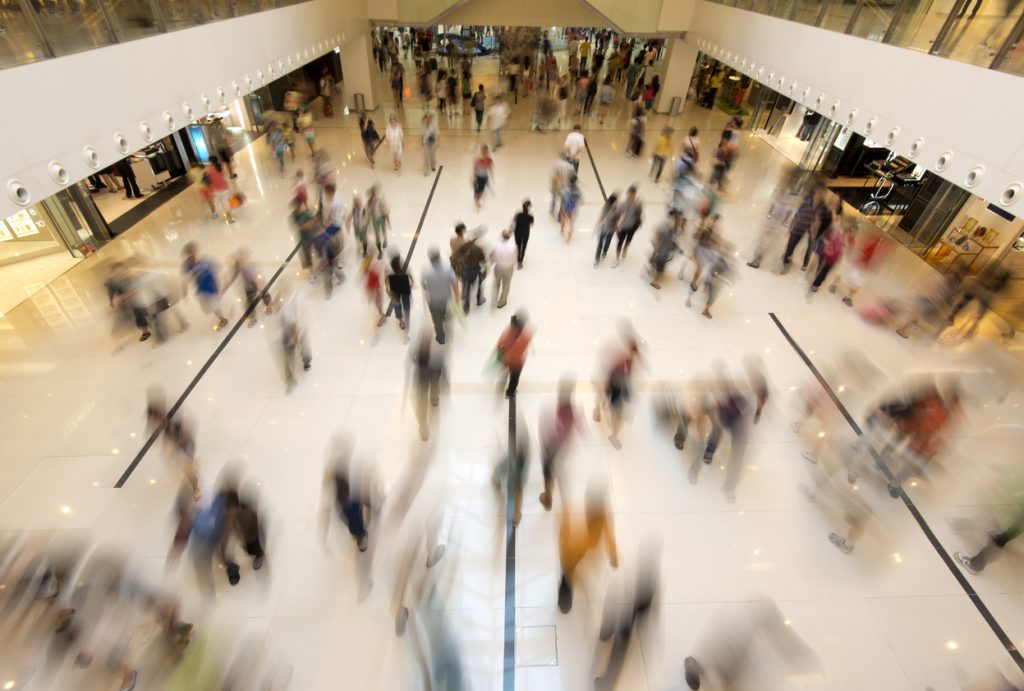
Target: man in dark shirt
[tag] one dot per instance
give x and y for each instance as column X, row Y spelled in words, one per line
column 523, row 221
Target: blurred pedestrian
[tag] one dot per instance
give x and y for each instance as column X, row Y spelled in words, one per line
column 631, row 214
column 511, row 350
column 358, row 220
column 607, row 225
column 483, row 174
column 497, row 116
column 617, row 388
column 399, row 285
column 380, row 217
column 522, row 222
column 203, row 274
column 241, row 267
column 429, row 140
column 396, row 141
column 571, row 200
column 439, row 287
column 578, row 536
column 503, row 256
column 556, row 430
column 294, row 340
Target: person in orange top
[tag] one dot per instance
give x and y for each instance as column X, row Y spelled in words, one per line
column 576, row 539
column 511, row 350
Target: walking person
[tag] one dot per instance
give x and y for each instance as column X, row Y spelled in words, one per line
column 397, row 82
column 591, row 94
column 124, row 170
column 556, row 430
column 441, row 92
column 380, row 217
column 373, row 283
column 399, row 284
column 618, row 388
column 467, row 92
column 832, row 245
column 358, row 220
column 637, row 125
column 511, row 350
column 631, row 215
column 370, row 136
column 395, row 138
column 483, row 174
column 220, row 188
column 728, row 414
column 203, row 274
column 241, row 267
column 479, row 106
column 521, row 223
column 563, row 170
column 294, row 339
column 429, row 139
column 471, row 266
column 607, row 224
column 605, row 96
column 429, row 374
column 577, row 537
column 571, row 199
column 497, row 116
column 575, row 143
column 439, row 287
column 662, row 150
column 503, row 256
column 804, row 221
column 306, row 228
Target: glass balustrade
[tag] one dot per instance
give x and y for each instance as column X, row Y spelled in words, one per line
column 32, row 30
column 988, row 33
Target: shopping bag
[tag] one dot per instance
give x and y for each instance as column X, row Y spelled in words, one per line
column 236, row 200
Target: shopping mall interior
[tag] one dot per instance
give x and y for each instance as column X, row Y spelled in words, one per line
column 275, row 421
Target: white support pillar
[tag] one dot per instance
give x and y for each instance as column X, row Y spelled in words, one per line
column 676, row 72
column 357, row 68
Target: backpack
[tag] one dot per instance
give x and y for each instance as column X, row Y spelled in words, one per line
column 208, row 523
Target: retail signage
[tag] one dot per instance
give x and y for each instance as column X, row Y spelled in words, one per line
column 22, row 224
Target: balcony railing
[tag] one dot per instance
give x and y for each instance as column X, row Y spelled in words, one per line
column 32, row 30
column 987, row 33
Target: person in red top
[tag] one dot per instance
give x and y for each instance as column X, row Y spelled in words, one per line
column 511, row 350
column 219, row 186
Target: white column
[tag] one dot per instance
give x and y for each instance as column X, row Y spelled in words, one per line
column 676, row 72
column 357, row 68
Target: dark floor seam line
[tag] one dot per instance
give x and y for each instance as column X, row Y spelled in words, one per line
column 205, row 368
column 594, row 166
column 971, row 593
column 509, row 678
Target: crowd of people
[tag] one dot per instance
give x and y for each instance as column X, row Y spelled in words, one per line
column 906, row 430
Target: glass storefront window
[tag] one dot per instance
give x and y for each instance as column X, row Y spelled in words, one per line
column 72, row 27
column 177, row 14
column 131, row 18
column 214, row 10
column 18, row 42
column 873, row 19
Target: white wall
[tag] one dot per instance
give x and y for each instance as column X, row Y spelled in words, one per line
column 930, row 105
column 56, row 108
column 680, row 60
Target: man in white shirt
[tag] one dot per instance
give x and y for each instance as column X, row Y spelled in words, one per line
column 497, row 116
column 574, row 145
column 504, row 256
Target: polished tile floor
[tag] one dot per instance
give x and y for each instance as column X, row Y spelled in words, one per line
column 889, row 616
